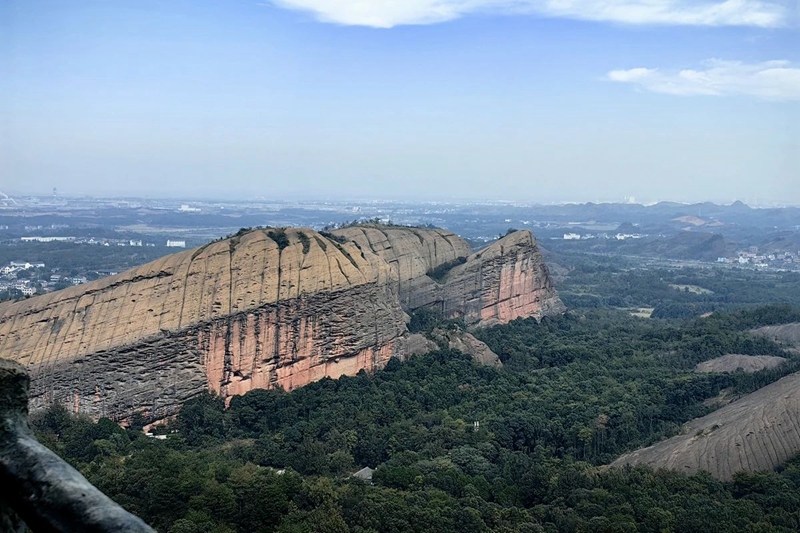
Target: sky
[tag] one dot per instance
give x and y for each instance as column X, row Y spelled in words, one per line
column 523, row 100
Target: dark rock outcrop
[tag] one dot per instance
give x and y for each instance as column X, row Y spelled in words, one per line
column 37, row 488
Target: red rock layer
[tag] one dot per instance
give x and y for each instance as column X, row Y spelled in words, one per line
column 267, row 308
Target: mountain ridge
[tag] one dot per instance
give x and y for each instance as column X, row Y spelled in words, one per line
column 262, row 309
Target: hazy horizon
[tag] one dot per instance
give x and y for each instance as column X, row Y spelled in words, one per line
column 344, row 199
column 529, row 101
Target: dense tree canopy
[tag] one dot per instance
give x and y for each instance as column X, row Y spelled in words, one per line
column 575, row 392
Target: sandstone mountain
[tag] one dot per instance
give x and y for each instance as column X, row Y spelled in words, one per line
column 506, row 280
column 265, row 308
column 757, row 432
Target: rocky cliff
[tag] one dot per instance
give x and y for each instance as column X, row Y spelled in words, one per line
column 507, row 280
column 266, row 308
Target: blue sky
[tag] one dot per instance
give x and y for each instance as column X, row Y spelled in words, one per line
column 530, row 100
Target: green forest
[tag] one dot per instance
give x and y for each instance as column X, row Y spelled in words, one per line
column 458, row 447
column 618, row 282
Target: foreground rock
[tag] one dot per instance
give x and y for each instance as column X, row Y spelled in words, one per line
column 266, row 308
column 745, row 363
column 38, row 487
column 757, row 432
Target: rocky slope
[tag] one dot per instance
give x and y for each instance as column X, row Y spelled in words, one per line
column 734, row 362
column 411, row 253
column 757, row 432
column 266, row 308
column 788, row 333
column 507, row 280
column 433, row 268
column 466, row 343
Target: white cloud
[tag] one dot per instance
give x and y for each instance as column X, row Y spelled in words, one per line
column 388, row 13
column 770, row 80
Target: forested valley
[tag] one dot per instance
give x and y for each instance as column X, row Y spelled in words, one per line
column 457, row 446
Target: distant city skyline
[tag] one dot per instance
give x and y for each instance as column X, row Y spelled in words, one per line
column 529, row 100
column 751, row 202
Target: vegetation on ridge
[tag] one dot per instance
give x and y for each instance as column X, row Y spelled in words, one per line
column 576, row 391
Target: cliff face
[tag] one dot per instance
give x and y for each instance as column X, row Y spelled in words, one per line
column 504, row 281
column 263, row 309
column 411, row 253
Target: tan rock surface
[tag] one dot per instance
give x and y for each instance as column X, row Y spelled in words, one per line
column 260, row 309
column 411, row 253
column 788, row 333
column 734, row 362
column 757, row 432
column 468, row 344
column 504, row 281
column 230, row 316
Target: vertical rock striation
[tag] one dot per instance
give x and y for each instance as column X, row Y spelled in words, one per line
column 265, row 308
column 507, row 280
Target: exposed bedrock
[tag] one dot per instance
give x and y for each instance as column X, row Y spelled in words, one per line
column 506, row 280
column 757, row 432
column 266, row 308
column 746, row 363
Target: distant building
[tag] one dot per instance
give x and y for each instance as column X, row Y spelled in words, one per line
column 47, row 239
column 572, row 236
column 176, row 244
column 24, row 265
column 28, row 291
column 134, row 242
column 365, row 474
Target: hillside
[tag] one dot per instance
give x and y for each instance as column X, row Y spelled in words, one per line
column 755, row 433
column 745, row 363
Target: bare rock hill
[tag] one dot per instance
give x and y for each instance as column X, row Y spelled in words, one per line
column 788, row 333
column 267, row 308
column 734, row 362
column 757, row 432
